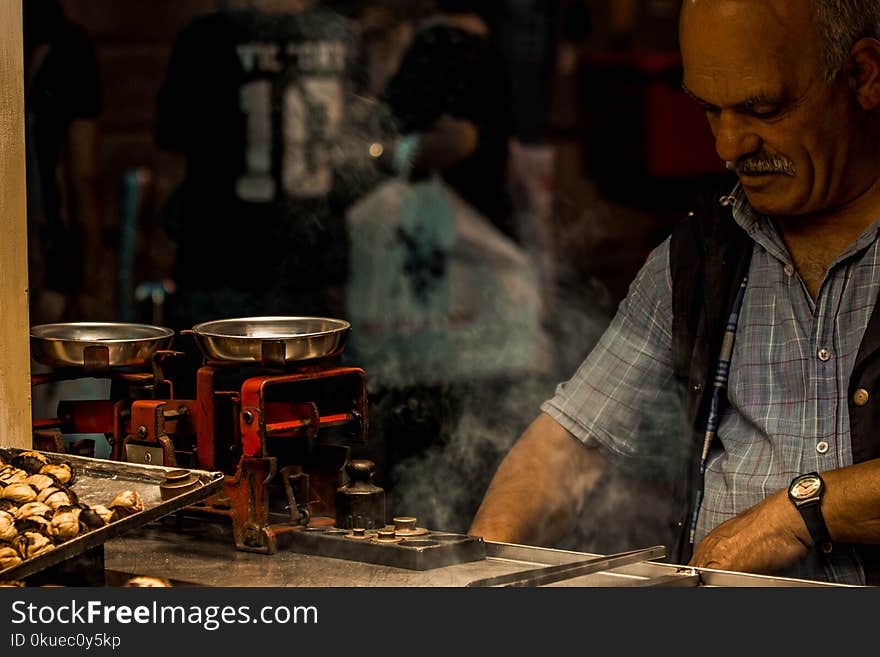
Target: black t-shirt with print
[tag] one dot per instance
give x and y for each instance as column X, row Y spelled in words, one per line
column 258, row 104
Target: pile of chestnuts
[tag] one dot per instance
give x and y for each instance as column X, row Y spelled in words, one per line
column 39, row 510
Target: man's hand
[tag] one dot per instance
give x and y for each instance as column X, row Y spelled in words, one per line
column 763, row 539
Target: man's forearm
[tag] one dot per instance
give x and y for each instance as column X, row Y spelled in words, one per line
column 536, row 494
column 851, row 504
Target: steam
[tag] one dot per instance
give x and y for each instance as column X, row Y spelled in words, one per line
column 443, row 484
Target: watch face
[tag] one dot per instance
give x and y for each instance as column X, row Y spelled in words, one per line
column 806, row 487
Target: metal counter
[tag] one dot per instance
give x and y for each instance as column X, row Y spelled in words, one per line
column 204, row 555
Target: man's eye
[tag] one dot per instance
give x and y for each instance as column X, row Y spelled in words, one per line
column 764, row 112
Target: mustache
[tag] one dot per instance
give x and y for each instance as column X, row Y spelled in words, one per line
column 761, row 163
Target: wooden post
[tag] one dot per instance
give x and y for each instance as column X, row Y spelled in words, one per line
column 15, row 389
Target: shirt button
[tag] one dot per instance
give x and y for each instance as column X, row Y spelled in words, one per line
column 822, row 447
column 860, row 397
column 824, row 354
column 789, row 270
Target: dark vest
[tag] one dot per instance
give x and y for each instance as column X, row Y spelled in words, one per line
column 709, row 255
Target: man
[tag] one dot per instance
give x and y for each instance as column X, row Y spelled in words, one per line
column 791, row 90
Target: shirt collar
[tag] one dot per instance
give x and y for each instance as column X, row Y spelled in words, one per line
column 758, row 226
column 763, row 230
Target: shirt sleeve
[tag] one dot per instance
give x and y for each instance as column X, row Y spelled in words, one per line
column 623, row 397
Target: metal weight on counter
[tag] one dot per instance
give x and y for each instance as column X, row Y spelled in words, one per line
column 360, row 503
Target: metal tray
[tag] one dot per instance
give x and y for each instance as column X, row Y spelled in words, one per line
column 271, row 341
column 97, row 482
column 111, row 344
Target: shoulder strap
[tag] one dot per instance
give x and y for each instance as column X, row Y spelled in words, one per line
column 708, row 256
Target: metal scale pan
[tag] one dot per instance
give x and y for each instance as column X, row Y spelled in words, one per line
column 98, row 345
column 271, row 341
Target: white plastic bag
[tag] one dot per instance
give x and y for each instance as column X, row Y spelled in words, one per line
column 436, row 293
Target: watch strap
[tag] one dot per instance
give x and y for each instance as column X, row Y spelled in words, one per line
column 811, row 512
column 810, row 508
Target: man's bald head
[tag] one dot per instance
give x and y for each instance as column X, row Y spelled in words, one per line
column 838, row 24
column 767, row 28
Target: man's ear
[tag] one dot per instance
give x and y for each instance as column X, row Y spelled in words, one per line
column 863, row 70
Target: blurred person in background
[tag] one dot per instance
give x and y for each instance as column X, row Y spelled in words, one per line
column 257, row 98
column 62, row 104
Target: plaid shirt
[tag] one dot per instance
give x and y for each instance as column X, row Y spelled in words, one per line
column 787, row 393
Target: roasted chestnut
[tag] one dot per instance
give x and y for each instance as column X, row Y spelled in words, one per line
column 9, row 556
column 66, row 522
column 55, row 497
column 146, row 582
column 63, row 472
column 105, row 514
column 34, row 524
column 30, row 462
column 127, row 503
column 7, row 526
column 20, row 493
column 32, row 544
column 33, row 509
column 91, row 518
column 10, row 475
column 41, row 482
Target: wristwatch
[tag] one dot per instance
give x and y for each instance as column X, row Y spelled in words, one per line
column 805, row 492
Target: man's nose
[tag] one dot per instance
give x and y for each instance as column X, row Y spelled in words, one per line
column 734, row 137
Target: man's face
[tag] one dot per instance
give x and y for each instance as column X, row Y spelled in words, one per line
column 789, row 135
